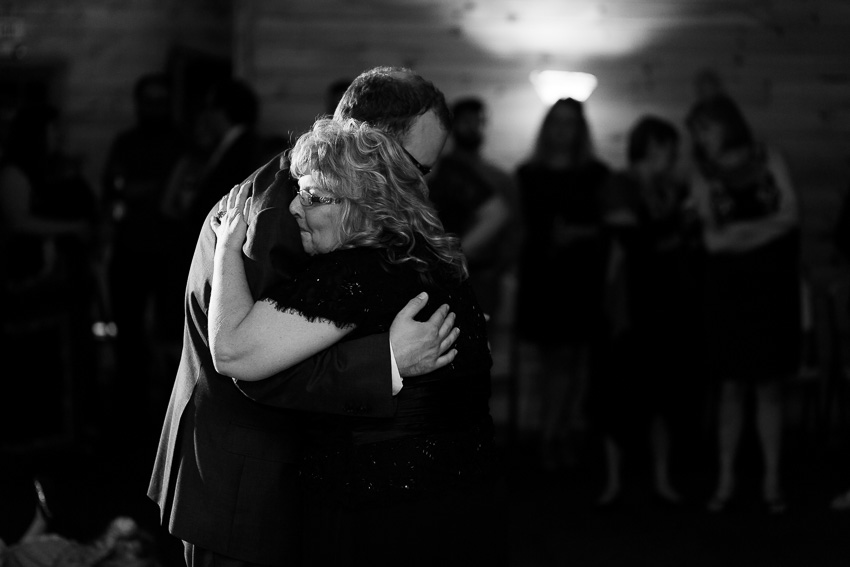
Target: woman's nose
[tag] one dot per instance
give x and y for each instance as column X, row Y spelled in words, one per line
column 295, row 208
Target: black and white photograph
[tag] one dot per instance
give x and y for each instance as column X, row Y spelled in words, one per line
column 425, row 283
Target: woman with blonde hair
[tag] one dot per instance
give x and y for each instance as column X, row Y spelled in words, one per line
column 374, row 488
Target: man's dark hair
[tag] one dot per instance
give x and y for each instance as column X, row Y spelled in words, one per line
column 650, row 129
column 391, row 98
column 238, row 101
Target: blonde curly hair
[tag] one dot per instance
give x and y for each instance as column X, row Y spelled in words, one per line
column 385, row 199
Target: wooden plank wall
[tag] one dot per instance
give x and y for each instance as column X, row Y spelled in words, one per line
column 103, row 46
column 785, row 61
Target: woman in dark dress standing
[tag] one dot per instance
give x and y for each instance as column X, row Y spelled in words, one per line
column 562, row 267
column 745, row 198
column 638, row 392
column 416, row 489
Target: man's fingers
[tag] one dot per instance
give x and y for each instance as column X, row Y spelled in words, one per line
column 439, row 316
column 449, row 340
column 446, row 358
column 447, row 324
column 414, row 306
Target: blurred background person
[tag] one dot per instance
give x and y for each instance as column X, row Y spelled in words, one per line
column 230, row 119
column 145, row 303
column 48, row 214
column 226, row 148
column 708, row 85
column 477, row 201
column 184, row 177
column 745, row 198
column 638, row 388
column 561, row 270
column 48, row 207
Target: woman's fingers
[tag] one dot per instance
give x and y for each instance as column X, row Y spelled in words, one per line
column 242, row 196
column 232, row 196
column 218, row 217
column 236, row 201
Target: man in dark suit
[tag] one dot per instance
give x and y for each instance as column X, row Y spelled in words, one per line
column 225, row 475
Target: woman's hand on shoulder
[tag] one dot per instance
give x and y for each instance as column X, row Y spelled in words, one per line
column 229, row 222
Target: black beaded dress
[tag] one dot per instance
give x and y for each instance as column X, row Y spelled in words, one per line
column 423, row 481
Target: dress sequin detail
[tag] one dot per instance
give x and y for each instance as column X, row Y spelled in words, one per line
column 441, row 439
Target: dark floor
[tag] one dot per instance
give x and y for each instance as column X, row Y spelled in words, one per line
column 97, row 475
column 553, row 519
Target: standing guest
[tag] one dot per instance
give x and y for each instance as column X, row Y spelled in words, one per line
column 746, row 201
column 560, row 188
column 385, row 484
column 47, row 216
column 46, row 206
column 230, row 118
column 638, row 388
column 134, row 177
column 226, row 472
column 478, row 202
column 226, row 148
column 708, row 84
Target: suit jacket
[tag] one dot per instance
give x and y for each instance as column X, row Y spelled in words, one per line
column 225, row 476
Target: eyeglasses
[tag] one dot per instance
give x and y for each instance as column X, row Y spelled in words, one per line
column 423, row 169
column 308, row 199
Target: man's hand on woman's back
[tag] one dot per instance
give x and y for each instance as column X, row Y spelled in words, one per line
column 422, row 347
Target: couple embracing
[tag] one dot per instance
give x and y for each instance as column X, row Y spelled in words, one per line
column 329, row 409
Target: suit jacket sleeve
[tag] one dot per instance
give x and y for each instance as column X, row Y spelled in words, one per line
column 352, row 377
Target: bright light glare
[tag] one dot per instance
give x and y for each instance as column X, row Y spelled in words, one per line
column 552, row 85
column 575, row 29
